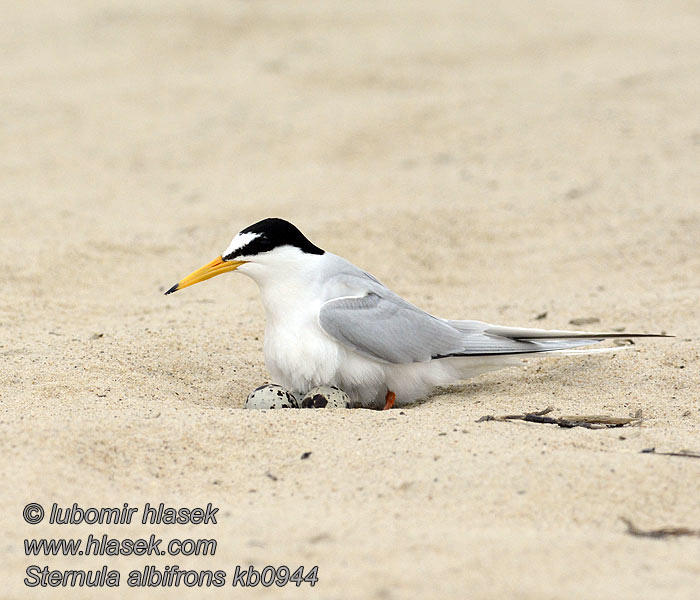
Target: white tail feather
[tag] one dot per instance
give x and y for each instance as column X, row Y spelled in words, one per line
column 586, row 351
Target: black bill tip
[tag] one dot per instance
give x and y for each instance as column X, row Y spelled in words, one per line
column 172, row 289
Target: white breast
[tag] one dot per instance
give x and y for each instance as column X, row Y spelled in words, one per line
column 298, row 353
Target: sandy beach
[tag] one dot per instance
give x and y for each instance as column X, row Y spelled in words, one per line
column 520, row 163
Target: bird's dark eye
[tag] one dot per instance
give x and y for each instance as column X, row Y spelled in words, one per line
column 263, row 244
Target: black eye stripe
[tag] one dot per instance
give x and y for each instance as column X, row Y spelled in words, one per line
column 256, row 246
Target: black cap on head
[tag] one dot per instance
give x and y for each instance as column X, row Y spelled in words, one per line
column 273, row 233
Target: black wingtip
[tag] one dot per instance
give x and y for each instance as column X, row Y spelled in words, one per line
column 172, row 289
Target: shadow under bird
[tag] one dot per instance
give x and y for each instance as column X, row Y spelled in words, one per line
column 329, row 322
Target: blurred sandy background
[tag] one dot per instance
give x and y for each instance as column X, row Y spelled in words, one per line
column 494, row 161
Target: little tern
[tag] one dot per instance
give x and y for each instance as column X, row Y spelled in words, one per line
column 329, row 322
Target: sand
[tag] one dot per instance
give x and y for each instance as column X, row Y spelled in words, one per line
column 495, row 161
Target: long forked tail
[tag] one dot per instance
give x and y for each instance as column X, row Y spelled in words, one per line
column 483, row 339
column 524, row 333
column 570, row 342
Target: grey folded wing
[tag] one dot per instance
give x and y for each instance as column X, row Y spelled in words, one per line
column 383, row 326
column 387, row 329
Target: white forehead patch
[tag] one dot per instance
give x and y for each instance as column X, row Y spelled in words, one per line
column 240, row 240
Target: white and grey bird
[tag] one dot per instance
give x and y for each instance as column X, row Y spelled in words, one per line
column 329, row 322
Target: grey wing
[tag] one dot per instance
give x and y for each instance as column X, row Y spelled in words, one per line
column 387, row 328
column 381, row 325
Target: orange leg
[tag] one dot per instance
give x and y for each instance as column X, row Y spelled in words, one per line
column 390, row 399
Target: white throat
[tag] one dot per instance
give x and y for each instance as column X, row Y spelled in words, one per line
column 288, row 278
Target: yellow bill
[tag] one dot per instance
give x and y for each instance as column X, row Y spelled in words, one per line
column 212, row 269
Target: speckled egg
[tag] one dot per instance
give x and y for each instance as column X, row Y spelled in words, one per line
column 326, row 396
column 271, row 396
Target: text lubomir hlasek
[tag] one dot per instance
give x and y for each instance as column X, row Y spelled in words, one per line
column 150, row 515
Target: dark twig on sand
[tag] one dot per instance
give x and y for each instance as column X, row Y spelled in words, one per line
column 681, row 453
column 664, row 532
column 586, row 421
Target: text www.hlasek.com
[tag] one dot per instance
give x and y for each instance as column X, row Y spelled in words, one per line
column 106, row 546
